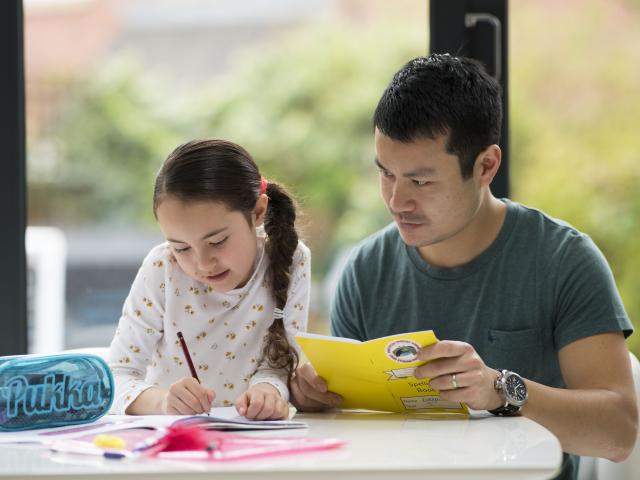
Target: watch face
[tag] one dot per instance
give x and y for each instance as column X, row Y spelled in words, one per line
column 515, row 389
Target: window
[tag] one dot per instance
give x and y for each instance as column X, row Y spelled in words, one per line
column 113, row 86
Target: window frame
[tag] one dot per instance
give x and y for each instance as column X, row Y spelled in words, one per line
column 13, row 282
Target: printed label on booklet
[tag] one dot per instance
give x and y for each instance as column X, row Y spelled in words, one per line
column 400, row 373
column 402, row 351
column 427, row 402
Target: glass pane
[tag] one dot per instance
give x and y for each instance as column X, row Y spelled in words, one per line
column 113, row 86
column 575, row 71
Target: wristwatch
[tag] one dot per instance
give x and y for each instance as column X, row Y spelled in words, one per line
column 513, row 391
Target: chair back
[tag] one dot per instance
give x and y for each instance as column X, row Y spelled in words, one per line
column 627, row 470
column 602, row 469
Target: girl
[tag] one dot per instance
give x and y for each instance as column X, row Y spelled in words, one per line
column 232, row 277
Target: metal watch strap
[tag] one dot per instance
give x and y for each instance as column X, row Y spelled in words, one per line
column 506, row 409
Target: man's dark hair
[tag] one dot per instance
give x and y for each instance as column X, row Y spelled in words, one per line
column 443, row 95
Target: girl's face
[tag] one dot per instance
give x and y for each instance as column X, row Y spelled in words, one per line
column 211, row 243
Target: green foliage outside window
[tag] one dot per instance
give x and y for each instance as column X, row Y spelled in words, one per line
column 303, row 109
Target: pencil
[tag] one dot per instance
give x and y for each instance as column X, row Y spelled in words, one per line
column 183, row 344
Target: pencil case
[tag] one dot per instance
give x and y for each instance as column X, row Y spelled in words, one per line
column 42, row 391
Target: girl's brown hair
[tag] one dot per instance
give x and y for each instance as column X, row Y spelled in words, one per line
column 221, row 171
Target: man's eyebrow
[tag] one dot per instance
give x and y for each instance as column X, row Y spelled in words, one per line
column 378, row 164
column 210, row 234
column 419, row 172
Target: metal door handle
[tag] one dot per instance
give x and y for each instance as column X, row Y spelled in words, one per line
column 471, row 19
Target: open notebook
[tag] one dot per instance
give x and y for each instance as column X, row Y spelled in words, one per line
column 220, row 418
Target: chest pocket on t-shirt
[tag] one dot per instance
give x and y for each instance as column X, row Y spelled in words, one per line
column 517, row 350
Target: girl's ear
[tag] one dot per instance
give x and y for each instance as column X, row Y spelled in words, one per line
column 260, row 210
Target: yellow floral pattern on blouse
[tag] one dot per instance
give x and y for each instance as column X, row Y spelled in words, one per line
column 224, row 331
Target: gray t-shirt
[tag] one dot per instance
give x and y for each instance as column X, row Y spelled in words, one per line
column 541, row 285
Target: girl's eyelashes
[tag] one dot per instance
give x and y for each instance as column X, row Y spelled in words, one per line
column 213, row 244
column 217, row 244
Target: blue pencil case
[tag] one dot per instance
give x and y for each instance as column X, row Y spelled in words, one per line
column 42, row 391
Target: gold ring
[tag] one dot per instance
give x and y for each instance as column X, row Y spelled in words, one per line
column 454, row 384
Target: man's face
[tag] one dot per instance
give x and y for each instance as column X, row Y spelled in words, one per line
column 423, row 189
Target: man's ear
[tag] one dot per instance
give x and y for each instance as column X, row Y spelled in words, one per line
column 260, row 210
column 487, row 164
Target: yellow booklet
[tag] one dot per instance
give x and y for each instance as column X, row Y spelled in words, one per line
column 378, row 374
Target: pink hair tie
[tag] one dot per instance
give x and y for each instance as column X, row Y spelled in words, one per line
column 263, row 185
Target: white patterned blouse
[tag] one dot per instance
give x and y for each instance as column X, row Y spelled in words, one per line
column 223, row 331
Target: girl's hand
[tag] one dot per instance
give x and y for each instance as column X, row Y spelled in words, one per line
column 262, row 402
column 187, row 397
column 309, row 392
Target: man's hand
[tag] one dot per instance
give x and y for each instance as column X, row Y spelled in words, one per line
column 187, row 397
column 473, row 382
column 309, row 391
column 262, row 402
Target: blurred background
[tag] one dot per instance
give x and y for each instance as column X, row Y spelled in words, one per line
column 295, row 82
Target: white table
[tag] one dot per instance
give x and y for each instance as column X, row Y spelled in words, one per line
column 380, row 446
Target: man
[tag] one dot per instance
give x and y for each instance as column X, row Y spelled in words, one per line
column 525, row 305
